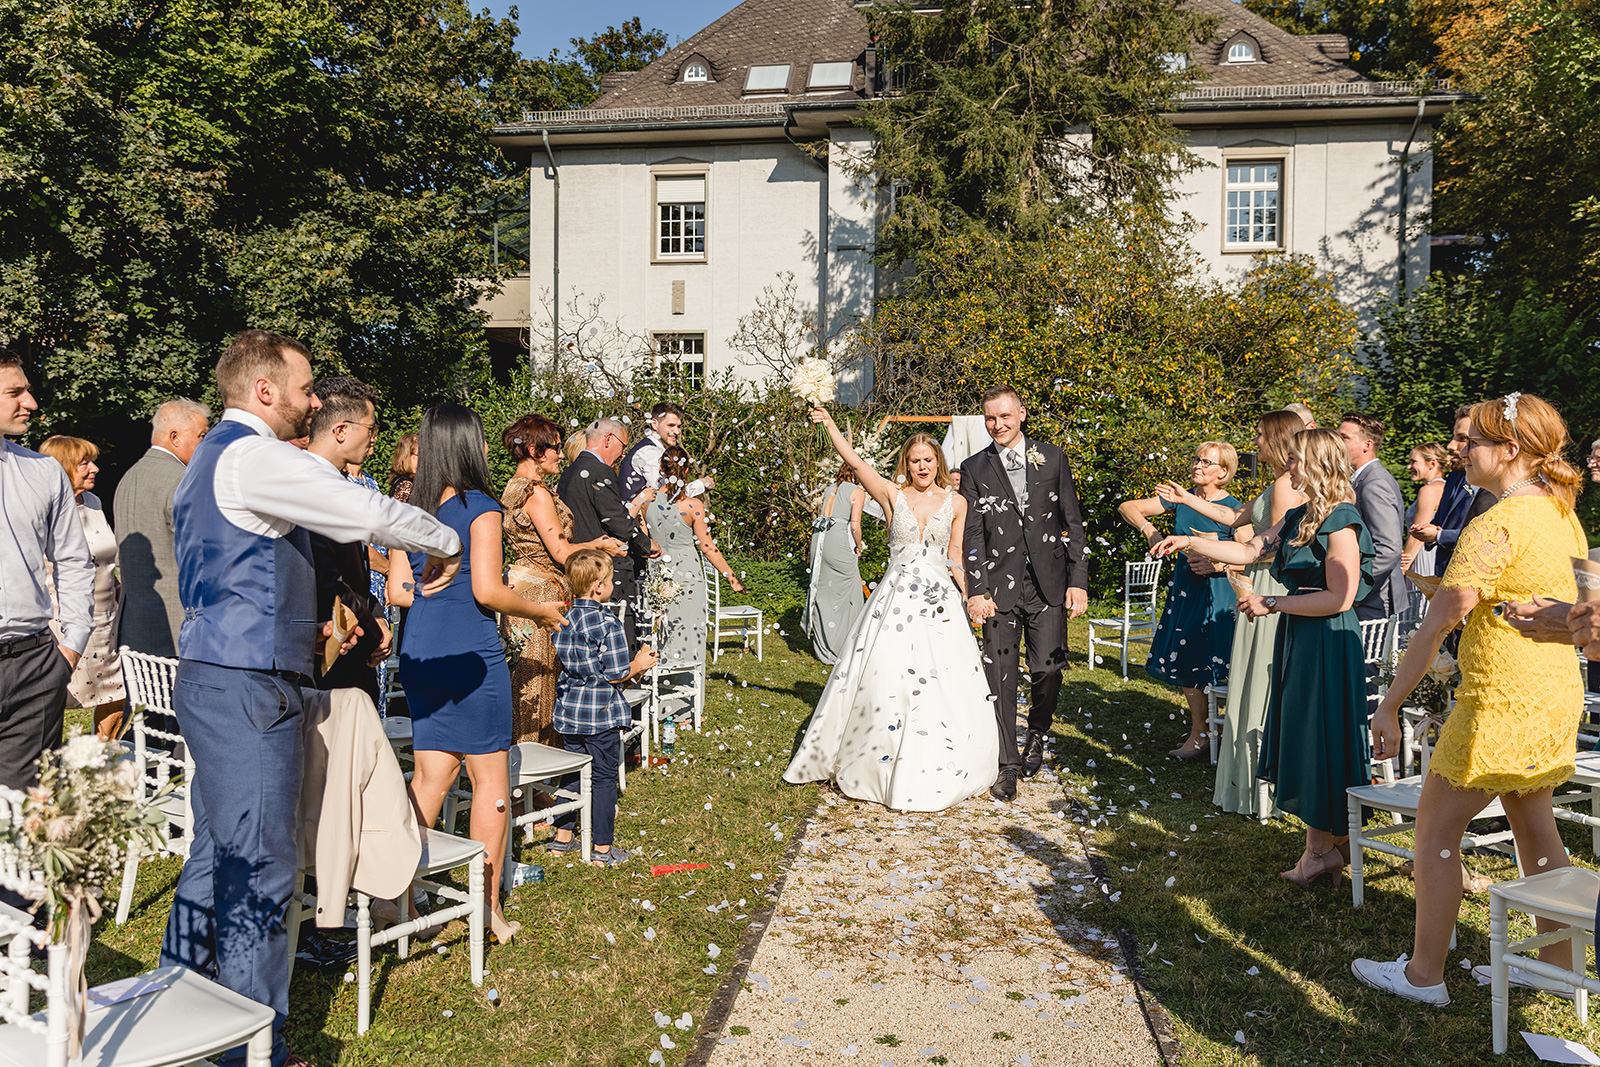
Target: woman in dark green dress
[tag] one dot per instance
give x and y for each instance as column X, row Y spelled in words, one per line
column 1194, row 637
column 1316, row 742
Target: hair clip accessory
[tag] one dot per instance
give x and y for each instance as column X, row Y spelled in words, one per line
column 516, row 440
column 1511, row 406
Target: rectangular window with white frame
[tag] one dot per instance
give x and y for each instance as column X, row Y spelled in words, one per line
column 682, row 356
column 680, row 217
column 1254, row 193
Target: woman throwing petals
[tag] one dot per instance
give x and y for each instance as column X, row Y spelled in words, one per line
column 1314, row 744
column 1513, row 732
column 905, row 719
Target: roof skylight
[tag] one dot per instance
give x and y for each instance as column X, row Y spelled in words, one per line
column 767, row 78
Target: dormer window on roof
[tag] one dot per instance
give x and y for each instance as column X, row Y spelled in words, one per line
column 696, row 71
column 768, row 78
column 1242, row 48
column 831, row 76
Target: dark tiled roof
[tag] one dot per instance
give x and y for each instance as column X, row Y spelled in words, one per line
column 1286, row 58
column 757, row 32
column 803, row 32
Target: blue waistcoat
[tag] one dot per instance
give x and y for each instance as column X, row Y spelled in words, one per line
column 633, row 482
column 249, row 600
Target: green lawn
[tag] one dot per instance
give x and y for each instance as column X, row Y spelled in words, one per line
column 1227, row 911
column 567, row 993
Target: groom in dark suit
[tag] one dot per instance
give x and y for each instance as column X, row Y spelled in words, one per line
column 1027, row 573
column 591, row 488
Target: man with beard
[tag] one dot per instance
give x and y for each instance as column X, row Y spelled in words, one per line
column 243, row 517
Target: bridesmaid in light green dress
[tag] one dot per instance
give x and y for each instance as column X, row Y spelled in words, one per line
column 1250, row 666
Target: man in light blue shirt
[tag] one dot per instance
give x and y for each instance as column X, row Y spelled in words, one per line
column 38, row 524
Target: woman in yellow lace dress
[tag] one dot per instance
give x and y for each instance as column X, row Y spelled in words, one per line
column 1514, row 729
column 538, row 541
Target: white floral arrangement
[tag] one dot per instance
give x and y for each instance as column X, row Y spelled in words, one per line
column 660, row 588
column 812, row 381
column 79, row 822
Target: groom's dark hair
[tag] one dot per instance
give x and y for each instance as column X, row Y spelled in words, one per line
column 995, row 392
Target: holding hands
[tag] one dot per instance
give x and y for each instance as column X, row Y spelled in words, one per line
column 980, row 608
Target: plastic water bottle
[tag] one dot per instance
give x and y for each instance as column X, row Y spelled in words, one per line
column 669, row 736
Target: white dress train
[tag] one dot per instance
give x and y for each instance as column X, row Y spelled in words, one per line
column 906, row 719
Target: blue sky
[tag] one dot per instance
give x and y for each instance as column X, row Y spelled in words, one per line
column 547, row 24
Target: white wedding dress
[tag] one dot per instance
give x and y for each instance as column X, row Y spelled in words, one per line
column 906, row 719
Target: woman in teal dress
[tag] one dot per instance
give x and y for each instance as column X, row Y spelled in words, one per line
column 1254, row 641
column 1191, row 642
column 1316, row 742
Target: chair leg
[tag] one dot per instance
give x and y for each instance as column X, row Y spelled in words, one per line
column 295, row 917
column 1264, row 803
column 1499, row 976
column 130, row 875
column 1213, row 723
column 403, row 907
column 760, row 637
column 586, row 815
column 258, row 1053
column 363, row 963
column 1124, row 655
column 1580, row 964
column 475, row 918
column 1357, row 839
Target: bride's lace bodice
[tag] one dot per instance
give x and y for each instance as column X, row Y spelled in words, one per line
column 903, row 531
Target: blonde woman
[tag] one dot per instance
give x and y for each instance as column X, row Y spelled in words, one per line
column 1428, row 463
column 1255, row 643
column 1513, row 731
column 97, row 679
column 1192, row 639
column 905, row 719
column 1314, row 744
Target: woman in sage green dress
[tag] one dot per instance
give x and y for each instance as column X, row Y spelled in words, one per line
column 1315, row 743
column 1254, row 641
column 835, row 598
column 677, row 522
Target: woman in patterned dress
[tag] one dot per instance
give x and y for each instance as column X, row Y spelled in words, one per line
column 539, row 540
column 97, row 680
column 1513, row 732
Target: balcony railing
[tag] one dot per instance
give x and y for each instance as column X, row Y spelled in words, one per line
column 1315, row 89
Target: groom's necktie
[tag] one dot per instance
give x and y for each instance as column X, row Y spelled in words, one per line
column 1018, row 475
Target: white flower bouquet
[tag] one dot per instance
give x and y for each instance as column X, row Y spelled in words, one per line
column 660, row 588
column 77, row 826
column 812, row 381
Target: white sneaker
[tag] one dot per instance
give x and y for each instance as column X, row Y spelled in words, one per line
column 1390, row 976
column 1524, row 980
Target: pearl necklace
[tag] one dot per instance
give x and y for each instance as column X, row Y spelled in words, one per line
column 1519, row 485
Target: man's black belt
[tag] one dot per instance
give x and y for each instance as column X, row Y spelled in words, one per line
column 18, row 645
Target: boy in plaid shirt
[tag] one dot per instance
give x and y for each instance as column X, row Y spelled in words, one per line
column 590, row 710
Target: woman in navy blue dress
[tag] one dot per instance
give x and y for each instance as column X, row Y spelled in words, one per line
column 1194, row 637
column 452, row 664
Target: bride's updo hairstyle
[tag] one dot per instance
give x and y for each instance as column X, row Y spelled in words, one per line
column 1540, row 432
column 1324, row 478
column 902, row 469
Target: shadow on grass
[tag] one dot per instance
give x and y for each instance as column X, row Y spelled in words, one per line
column 1227, row 912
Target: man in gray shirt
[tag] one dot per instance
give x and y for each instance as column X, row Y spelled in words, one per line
column 151, row 612
column 38, row 523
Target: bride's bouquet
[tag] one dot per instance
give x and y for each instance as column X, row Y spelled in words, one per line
column 660, row 588
column 812, row 381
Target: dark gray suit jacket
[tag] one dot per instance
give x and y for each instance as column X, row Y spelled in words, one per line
column 151, row 612
column 1001, row 546
column 1383, row 510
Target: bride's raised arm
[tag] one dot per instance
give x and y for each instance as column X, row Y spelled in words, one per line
column 877, row 486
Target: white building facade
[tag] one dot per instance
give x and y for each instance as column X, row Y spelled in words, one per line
column 695, row 187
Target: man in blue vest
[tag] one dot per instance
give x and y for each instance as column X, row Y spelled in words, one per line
column 243, row 516
column 641, row 467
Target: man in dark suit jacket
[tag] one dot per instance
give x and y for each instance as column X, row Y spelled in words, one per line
column 1461, row 502
column 1382, row 509
column 1027, row 573
column 342, row 431
column 590, row 488
column 142, row 509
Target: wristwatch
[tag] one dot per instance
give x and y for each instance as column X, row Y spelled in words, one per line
column 1270, row 602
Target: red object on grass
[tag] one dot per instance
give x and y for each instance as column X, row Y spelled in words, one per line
column 674, row 868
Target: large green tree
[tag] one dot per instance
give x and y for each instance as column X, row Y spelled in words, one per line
column 1018, row 119
column 1388, row 38
column 172, row 171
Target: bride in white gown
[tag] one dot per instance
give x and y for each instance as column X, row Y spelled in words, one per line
column 906, row 719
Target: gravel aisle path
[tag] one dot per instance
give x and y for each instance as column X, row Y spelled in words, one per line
column 952, row 938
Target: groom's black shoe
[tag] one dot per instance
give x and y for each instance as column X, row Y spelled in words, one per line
column 1033, row 754
column 1005, row 786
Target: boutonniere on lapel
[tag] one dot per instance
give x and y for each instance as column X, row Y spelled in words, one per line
column 1035, row 458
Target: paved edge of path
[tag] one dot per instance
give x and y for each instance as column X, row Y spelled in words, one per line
column 1155, row 1016
column 733, row 983
column 722, row 1001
